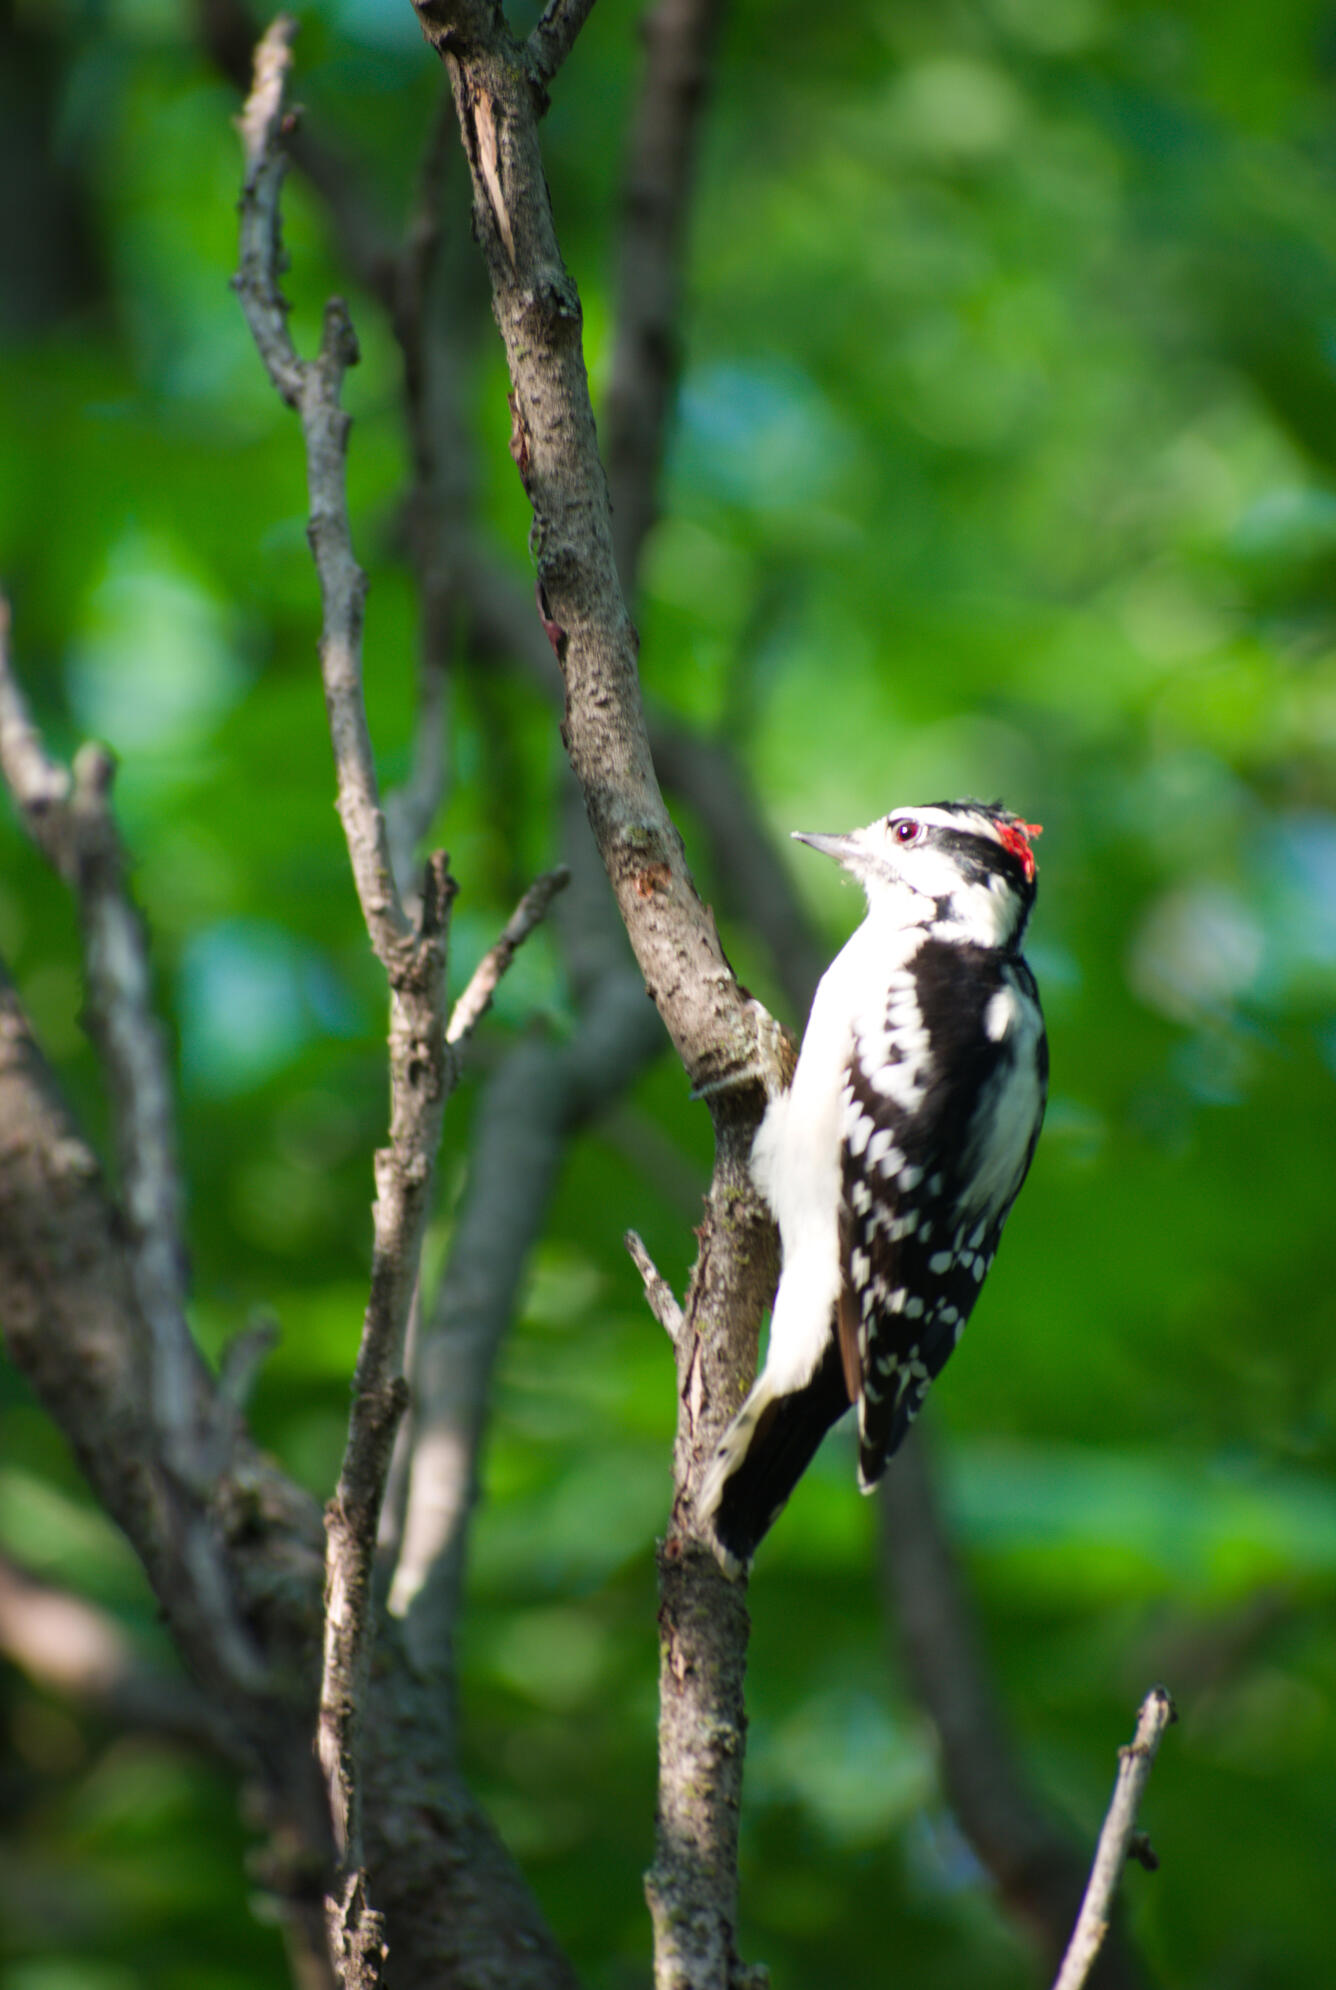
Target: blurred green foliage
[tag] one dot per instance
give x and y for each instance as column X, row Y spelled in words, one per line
column 1004, row 462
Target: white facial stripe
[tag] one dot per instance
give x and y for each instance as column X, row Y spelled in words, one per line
column 970, row 822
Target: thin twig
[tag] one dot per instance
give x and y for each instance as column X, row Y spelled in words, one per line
column 531, row 911
column 365, row 244
column 555, row 35
column 1037, row 1867
column 313, row 388
column 658, row 1292
column 256, row 281
column 1134, row 1766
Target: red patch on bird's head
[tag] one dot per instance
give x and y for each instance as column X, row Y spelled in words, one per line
column 1015, row 836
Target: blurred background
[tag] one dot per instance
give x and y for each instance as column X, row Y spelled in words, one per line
column 1004, row 463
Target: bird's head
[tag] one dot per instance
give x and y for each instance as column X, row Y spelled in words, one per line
column 965, row 867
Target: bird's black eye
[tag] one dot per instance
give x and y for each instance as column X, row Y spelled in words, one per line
column 906, row 830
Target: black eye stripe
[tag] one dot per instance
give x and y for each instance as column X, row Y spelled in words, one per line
column 982, row 855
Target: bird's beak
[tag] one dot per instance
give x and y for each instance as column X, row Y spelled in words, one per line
column 841, row 848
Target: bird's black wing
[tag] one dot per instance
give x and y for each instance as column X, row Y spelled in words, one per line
column 926, row 1090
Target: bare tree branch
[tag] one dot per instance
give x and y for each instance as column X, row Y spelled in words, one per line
column 718, row 1031
column 658, row 1292
column 71, row 1314
column 313, row 388
column 422, row 1068
column 555, row 35
column 126, row 1031
column 703, row 1625
column 458, row 1910
column 1116, row 1839
column 532, row 909
column 421, row 1077
column 525, row 1118
column 228, row 32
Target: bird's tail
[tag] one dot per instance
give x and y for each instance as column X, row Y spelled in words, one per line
column 761, row 1457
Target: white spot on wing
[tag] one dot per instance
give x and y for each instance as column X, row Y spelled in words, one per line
column 999, row 1015
column 859, row 1129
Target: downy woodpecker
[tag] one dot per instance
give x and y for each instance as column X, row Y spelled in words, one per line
column 891, row 1162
